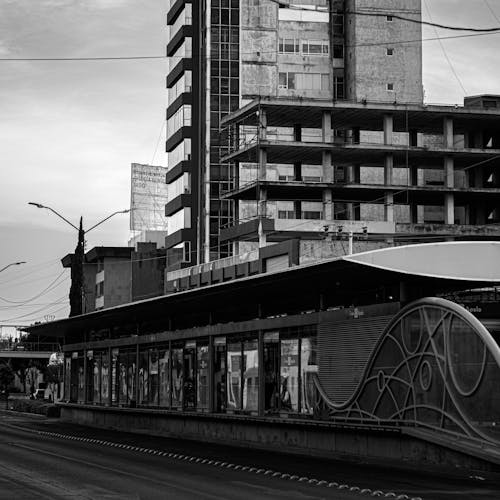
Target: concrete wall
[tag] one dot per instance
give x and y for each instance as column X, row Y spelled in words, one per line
column 390, row 447
column 258, row 42
column 369, row 68
column 117, row 281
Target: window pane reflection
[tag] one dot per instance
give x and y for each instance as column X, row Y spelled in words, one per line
column 289, row 375
column 251, row 376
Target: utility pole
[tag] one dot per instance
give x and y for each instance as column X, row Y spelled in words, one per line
column 77, row 290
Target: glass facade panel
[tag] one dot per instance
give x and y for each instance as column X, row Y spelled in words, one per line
column 153, row 377
column 114, row 376
column 308, row 370
column 104, row 378
column 202, row 377
column 164, row 368
column 177, row 378
column 220, row 375
column 122, row 378
column 143, row 376
column 251, row 375
column 289, row 375
column 96, row 373
column 89, row 384
column 181, row 152
column 271, row 371
column 189, row 378
column 234, row 375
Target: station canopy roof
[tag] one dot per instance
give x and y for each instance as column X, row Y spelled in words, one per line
column 430, row 268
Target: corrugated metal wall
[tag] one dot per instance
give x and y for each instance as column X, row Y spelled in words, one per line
column 344, row 348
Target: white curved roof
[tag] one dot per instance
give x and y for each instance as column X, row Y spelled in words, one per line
column 464, row 260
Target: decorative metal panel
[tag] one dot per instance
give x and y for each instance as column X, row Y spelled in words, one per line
column 344, row 350
column 435, row 366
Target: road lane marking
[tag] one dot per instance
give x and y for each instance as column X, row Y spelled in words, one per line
column 256, row 470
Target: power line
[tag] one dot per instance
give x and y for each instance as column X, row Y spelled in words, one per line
column 117, row 58
column 49, row 287
column 491, row 10
column 132, row 58
column 391, row 14
column 444, row 52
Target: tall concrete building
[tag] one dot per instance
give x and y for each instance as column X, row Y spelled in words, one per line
column 224, row 53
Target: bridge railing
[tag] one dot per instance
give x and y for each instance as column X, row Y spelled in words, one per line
column 11, row 345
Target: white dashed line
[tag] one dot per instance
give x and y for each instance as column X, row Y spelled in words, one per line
column 244, row 468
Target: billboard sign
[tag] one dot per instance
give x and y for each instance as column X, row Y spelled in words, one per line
column 148, row 198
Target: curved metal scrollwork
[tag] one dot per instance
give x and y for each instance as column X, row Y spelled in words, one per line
column 436, row 366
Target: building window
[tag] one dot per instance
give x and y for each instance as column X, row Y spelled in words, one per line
column 315, row 47
column 288, row 46
column 286, row 81
column 304, row 81
column 338, row 51
column 390, row 86
column 338, row 24
column 338, row 87
column 390, row 52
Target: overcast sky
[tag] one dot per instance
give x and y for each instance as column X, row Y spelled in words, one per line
column 70, row 130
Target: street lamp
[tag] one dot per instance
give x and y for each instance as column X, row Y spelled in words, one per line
column 12, row 264
column 76, row 293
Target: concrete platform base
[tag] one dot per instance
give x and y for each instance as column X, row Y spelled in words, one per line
column 390, row 446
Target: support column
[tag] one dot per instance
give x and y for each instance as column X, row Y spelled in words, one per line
column 327, row 170
column 448, row 140
column 413, row 213
column 389, row 207
column 449, row 208
column 328, row 207
column 262, row 375
column 353, row 176
column 262, row 152
column 261, row 213
column 211, row 362
column 326, row 127
column 388, row 129
column 413, row 181
column 262, row 164
column 297, row 171
column 449, row 200
column 262, row 124
column 297, row 209
column 388, row 181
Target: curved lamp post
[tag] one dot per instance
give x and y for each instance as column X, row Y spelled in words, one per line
column 12, row 264
column 76, row 293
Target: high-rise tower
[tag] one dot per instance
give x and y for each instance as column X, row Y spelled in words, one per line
column 222, row 53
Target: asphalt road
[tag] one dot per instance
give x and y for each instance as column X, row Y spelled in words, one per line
column 44, row 458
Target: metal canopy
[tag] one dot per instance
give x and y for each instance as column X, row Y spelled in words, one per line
column 362, row 277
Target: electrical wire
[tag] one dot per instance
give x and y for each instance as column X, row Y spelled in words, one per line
column 391, row 14
column 455, row 74
column 43, row 309
column 491, row 10
column 49, row 287
column 131, row 58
